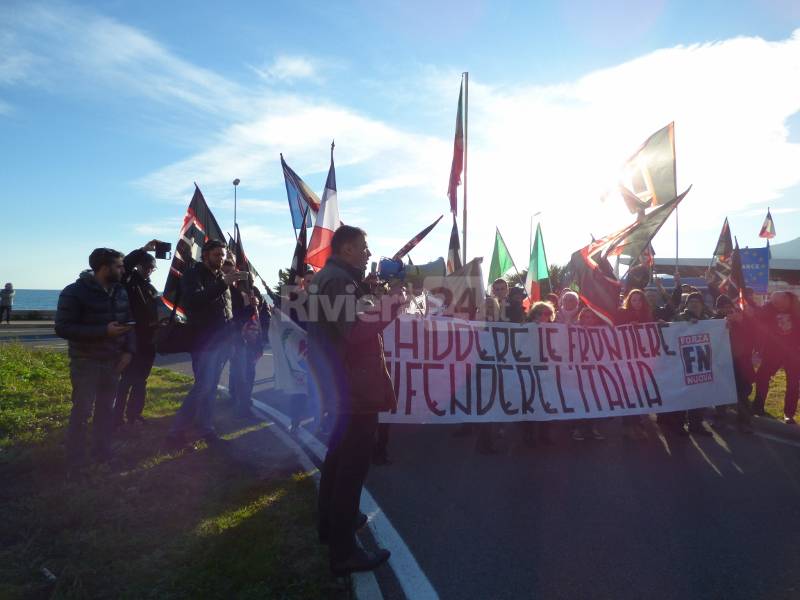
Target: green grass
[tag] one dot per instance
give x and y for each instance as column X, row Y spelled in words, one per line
column 153, row 525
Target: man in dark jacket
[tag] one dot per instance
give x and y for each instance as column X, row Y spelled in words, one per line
column 91, row 315
column 778, row 330
column 143, row 298
column 347, row 362
column 206, row 298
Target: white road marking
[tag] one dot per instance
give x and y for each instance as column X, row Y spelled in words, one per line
column 780, row 440
column 412, row 579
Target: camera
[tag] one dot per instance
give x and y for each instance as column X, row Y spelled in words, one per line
column 163, row 249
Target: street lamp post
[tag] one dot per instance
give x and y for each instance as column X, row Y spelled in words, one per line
column 235, row 185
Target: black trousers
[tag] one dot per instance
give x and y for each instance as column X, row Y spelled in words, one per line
column 94, row 384
column 132, row 389
column 7, row 311
column 343, row 474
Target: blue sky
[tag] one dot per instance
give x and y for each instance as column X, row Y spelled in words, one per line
column 109, row 111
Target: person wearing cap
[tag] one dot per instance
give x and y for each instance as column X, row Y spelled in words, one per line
column 742, row 344
column 143, row 299
column 206, row 298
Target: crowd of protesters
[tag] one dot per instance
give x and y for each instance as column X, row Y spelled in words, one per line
column 111, row 318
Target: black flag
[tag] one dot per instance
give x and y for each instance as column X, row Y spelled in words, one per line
column 597, row 285
column 199, row 226
column 299, row 259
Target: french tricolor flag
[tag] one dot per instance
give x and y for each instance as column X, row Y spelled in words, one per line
column 319, row 247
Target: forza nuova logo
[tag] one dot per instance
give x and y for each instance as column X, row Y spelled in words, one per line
column 696, row 355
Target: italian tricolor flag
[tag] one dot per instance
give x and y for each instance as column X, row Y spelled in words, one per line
column 319, row 248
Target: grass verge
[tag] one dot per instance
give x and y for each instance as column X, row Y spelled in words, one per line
column 201, row 524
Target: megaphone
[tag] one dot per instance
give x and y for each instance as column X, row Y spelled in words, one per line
column 416, row 274
column 388, row 268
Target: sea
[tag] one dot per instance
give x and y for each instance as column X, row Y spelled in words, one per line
column 36, row 299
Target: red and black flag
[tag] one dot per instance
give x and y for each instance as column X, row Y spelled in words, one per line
column 415, row 240
column 299, row 259
column 719, row 271
column 457, row 166
column 597, row 285
column 242, row 262
column 454, row 250
column 737, row 275
column 649, row 175
column 199, row 226
column 768, row 228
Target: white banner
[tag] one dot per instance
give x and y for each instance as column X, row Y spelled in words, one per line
column 289, row 350
column 451, row 371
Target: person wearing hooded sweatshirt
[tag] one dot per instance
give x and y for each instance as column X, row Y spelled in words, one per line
column 6, row 302
column 93, row 316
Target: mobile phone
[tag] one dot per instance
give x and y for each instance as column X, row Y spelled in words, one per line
column 129, row 323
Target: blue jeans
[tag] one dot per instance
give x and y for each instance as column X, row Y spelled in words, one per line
column 242, row 377
column 198, row 406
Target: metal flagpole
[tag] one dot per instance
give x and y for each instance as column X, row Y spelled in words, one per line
column 466, row 143
column 235, row 185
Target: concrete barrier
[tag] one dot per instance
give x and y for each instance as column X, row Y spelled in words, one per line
column 32, row 315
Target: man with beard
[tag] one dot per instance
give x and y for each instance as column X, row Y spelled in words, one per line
column 93, row 316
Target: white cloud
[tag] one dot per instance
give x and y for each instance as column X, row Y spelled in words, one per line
column 289, row 68
column 551, row 148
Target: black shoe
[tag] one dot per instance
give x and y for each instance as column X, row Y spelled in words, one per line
column 759, row 411
column 789, row 421
column 360, row 560
column 361, row 522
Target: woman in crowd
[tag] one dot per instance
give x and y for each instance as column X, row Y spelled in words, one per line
column 635, row 309
column 587, row 427
column 540, row 313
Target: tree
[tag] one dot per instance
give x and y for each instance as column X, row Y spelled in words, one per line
column 558, row 276
column 283, row 279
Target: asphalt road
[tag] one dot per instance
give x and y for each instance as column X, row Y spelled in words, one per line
column 666, row 517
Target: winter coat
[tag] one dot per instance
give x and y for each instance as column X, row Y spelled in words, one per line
column 345, row 350
column 7, row 297
column 143, row 299
column 778, row 334
column 206, row 298
column 84, row 311
column 743, row 342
